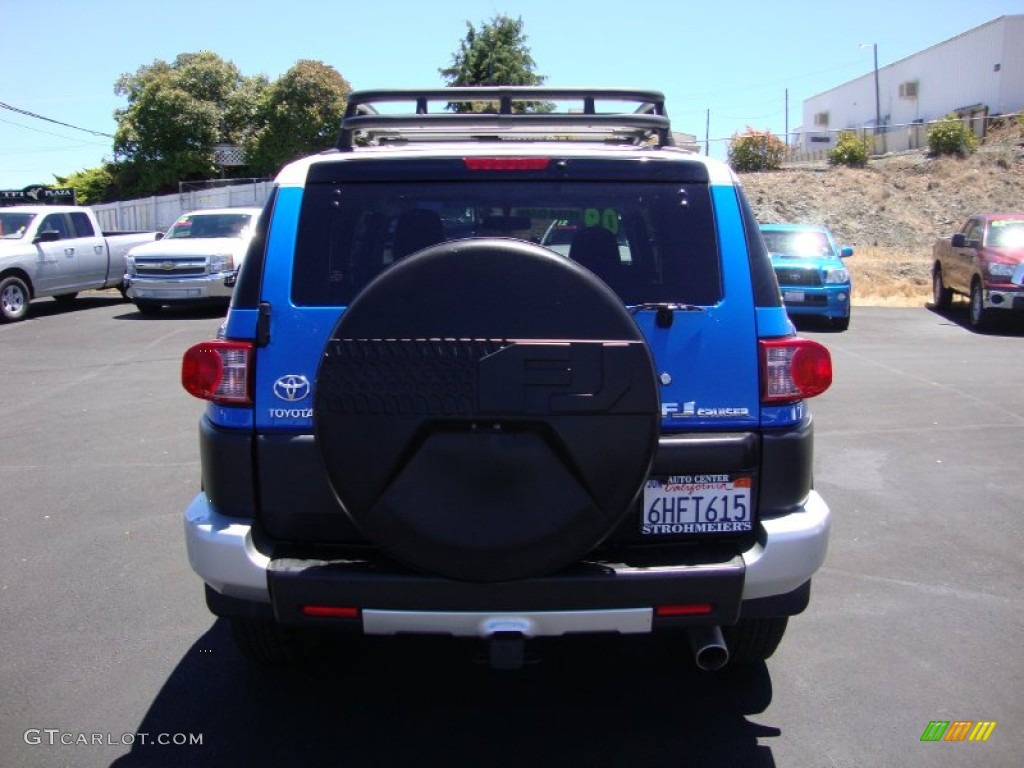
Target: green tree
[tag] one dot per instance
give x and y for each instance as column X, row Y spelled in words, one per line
column 950, row 136
column 91, row 185
column 176, row 113
column 299, row 114
column 851, row 150
column 756, row 151
column 496, row 54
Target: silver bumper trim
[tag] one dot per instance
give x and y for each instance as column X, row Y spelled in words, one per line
column 627, row 621
column 794, row 548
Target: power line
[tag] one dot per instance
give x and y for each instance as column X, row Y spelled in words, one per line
column 80, row 142
column 51, row 120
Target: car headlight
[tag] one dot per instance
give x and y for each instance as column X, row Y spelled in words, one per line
column 998, row 269
column 837, row 276
column 222, row 262
column 129, row 265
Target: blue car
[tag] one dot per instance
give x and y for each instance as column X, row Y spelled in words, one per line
column 810, row 270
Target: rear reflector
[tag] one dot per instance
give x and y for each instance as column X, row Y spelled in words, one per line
column 330, row 612
column 688, row 609
column 219, row 371
column 507, row 163
column 793, row 369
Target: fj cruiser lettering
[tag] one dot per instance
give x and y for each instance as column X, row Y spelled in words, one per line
column 422, row 419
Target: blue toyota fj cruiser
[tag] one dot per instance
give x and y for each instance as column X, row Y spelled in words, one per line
column 422, row 420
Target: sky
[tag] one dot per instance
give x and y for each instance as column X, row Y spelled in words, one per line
column 722, row 66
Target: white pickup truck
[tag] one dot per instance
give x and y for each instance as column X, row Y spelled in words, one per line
column 57, row 250
column 196, row 262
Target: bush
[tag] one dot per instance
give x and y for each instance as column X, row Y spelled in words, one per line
column 851, row 150
column 949, row 136
column 756, row 151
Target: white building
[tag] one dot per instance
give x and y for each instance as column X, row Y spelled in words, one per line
column 977, row 74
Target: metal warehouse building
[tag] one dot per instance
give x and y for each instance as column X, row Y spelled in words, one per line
column 975, row 75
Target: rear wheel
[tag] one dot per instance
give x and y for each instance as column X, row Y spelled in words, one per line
column 148, row 307
column 264, row 641
column 753, row 640
column 942, row 296
column 14, row 298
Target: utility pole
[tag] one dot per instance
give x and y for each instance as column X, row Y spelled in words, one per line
column 878, row 102
column 707, row 134
column 787, row 118
column 878, row 97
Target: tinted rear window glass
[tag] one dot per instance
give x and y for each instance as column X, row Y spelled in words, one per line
column 651, row 242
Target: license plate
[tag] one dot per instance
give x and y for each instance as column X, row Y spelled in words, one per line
column 697, row 504
column 795, row 296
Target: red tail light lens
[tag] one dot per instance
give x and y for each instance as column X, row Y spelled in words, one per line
column 793, row 369
column 220, row 371
column 686, row 609
column 507, row 163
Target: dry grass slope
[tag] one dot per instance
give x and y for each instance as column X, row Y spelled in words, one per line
column 892, row 211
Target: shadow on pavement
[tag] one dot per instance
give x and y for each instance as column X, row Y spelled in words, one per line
column 425, row 702
column 48, row 307
column 200, row 311
column 1005, row 324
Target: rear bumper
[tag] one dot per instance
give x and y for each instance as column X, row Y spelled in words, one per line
column 208, row 287
column 771, row 578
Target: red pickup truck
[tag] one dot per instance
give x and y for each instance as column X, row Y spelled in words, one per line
column 985, row 262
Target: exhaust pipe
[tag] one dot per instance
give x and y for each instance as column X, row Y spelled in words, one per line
column 709, row 649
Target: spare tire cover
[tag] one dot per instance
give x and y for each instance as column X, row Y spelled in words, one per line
column 486, row 410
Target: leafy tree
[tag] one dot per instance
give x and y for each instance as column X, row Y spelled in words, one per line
column 176, row 112
column 91, row 185
column 851, row 150
column 496, row 54
column 756, row 151
column 950, row 136
column 298, row 114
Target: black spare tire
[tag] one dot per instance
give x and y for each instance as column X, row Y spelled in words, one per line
column 486, row 410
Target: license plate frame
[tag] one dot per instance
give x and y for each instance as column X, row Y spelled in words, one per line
column 797, row 297
column 698, row 505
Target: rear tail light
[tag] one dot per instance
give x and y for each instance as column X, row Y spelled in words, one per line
column 792, row 369
column 330, row 611
column 685, row 609
column 506, row 163
column 220, row 371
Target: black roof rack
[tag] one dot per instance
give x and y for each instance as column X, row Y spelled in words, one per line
column 645, row 122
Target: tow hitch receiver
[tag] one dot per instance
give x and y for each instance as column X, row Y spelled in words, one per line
column 507, row 650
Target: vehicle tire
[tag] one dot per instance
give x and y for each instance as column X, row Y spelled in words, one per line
column 980, row 317
column 264, row 641
column 14, row 298
column 66, row 298
column 942, row 296
column 148, row 307
column 753, row 640
column 497, row 426
column 841, row 323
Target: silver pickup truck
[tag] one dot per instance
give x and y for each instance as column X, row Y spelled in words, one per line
column 196, row 262
column 51, row 250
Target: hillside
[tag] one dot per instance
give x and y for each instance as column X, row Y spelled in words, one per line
column 892, row 211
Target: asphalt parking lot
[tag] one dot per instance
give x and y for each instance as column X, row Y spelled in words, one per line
column 110, row 657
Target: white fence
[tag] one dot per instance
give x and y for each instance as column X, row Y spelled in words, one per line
column 158, row 213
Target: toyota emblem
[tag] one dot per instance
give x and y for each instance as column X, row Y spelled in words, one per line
column 292, row 388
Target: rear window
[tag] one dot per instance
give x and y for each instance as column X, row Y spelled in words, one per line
column 651, row 242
